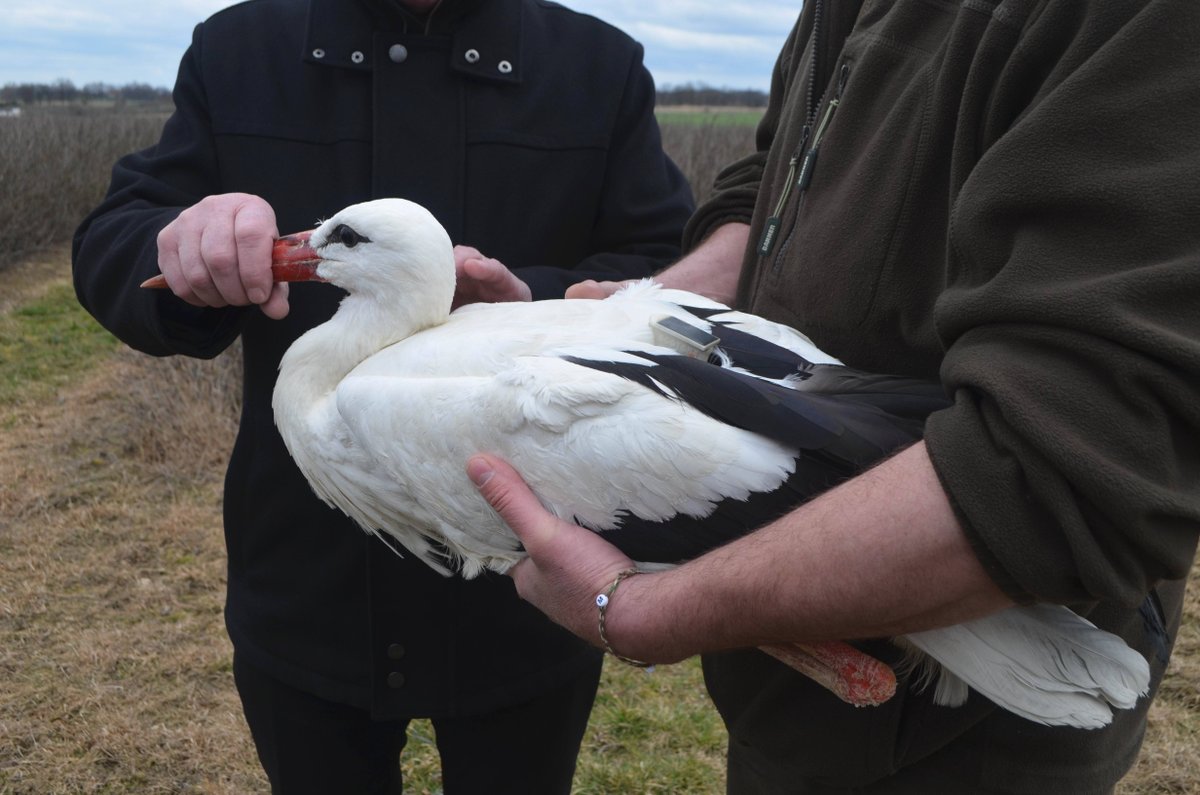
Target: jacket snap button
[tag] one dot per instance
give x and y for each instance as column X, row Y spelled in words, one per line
column 357, row 56
column 398, row 53
column 471, row 55
column 505, row 67
column 318, row 53
column 395, row 651
column 395, row 679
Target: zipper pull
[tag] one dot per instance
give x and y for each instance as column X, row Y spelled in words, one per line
column 768, row 236
column 810, row 157
column 767, row 241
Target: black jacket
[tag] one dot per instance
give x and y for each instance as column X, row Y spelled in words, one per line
column 528, row 130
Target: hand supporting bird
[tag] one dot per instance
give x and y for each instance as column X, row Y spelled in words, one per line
column 704, row 271
column 482, row 279
column 567, row 566
column 590, row 288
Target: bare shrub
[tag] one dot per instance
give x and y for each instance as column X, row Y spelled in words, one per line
column 179, row 415
column 702, row 148
column 54, row 168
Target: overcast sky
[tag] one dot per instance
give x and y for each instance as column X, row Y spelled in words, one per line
column 724, row 44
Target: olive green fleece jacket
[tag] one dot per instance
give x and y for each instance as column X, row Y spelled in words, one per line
column 1005, row 196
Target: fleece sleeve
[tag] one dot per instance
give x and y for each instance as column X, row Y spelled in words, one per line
column 1072, row 451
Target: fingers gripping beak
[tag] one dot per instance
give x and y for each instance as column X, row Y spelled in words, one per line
column 292, row 260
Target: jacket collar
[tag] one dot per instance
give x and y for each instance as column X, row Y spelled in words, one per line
column 485, row 36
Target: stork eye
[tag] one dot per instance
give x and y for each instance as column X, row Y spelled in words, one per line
column 347, row 236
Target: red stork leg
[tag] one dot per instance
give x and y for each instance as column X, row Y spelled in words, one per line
column 851, row 675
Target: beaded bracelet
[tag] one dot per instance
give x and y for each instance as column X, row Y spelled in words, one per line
column 602, row 601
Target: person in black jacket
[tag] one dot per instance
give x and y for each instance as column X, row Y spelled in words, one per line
column 528, row 130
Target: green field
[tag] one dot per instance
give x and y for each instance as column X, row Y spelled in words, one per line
column 717, row 117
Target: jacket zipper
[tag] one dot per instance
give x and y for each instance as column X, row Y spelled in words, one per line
column 772, row 227
column 767, row 242
column 810, row 100
column 807, row 164
column 810, row 159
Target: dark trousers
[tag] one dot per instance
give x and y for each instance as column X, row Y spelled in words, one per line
column 309, row 745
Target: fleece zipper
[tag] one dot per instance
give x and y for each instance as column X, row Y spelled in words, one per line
column 767, row 242
column 800, row 169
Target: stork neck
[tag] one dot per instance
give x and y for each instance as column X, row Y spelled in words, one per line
column 317, row 362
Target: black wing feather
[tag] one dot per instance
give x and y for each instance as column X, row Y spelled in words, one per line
column 840, row 421
column 752, row 353
column 758, row 356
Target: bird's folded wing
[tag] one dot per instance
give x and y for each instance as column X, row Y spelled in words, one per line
column 829, row 434
column 594, row 446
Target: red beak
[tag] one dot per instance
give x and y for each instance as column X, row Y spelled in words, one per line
column 292, row 260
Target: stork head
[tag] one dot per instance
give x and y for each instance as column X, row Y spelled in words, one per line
column 384, row 247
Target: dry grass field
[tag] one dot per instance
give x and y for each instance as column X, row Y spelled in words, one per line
column 113, row 656
column 112, row 647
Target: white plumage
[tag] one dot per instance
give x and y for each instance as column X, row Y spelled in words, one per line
column 382, row 405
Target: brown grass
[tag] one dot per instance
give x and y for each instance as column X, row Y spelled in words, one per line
column 1169, row 762
column 55, row 166
column 27, row 279
column 112, row 645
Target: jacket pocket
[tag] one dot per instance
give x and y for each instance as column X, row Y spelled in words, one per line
column 861, row 195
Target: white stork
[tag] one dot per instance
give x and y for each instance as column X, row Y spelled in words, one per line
column 651, row 436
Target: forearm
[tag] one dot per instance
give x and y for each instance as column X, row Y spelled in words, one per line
column 712, row 269
column 881, row 555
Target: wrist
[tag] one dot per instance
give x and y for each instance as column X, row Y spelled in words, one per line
column 638, row 625
column 604, row 604
column 714, row 267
